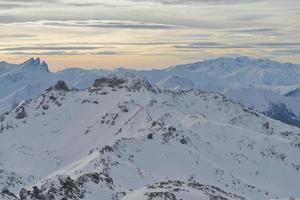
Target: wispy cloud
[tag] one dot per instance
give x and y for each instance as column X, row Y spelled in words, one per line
column 258, row 31
column 117, row 24
column 168, row 2
column 211, row 45
column 277, row 44
column 16, row 35
column 30, row 48
column 108, row 24
column 44, row 53
column 286, row 52
column 116, row 53
column 214, row 45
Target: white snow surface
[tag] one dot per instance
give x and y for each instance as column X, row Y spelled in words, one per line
column 133, row 140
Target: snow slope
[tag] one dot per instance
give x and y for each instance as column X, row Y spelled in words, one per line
column 19, row 82
column 276, row 106
column 125, row 139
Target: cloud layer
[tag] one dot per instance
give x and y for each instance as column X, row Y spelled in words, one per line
column 154, row 33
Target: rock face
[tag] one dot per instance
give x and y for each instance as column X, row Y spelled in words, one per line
column 20, row 113
column 175, row 190
column 61, row 86
column 112, row 81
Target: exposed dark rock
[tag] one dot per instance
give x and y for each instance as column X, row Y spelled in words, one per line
column 150, row 136
column 183, row 140
column 123, row 108
column 20, row 112
column 160, row 195
column 23, row 194
column 112, row 81
column 61, row 86
column 37, row 193
column 7, row 193
column 266, row 125
column 138, row 84
column 2, row 118
column 71, row 190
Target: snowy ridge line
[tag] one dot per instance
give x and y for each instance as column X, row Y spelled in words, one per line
column 181, row 145
column 245, row 80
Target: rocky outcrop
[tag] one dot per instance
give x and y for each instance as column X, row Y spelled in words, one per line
column 61, row 86
column 112, row 81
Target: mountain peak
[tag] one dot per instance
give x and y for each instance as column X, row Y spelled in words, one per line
column 3, row 63
column 35, row 64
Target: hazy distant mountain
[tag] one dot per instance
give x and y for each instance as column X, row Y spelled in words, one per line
column 274, row 85
column 126, row 139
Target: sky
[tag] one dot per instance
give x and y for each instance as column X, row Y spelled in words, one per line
column 147, row 33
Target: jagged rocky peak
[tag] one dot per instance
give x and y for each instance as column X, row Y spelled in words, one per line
column 111, row 81
column 59, row 86
column 35, row 64
column 136, row 83
column 130, row 83
column 3, row 63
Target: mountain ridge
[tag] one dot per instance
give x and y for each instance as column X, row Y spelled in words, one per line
column 83, row 143
column 218, row 75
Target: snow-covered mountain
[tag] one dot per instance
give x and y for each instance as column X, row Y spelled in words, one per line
column 19, row 82
column 127, row 139
column 176, row 83
column 274, row 85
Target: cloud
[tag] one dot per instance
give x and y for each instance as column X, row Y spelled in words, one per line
column 181, row 2
column 211, row 45
column 277, row 44
column 108, row 53
column 9, row 19
column 16, row 36
column 258, row 31
column 286, row 52
column 13, row 4
column 107, row 24
column 6, row 6
column 45, row 53
column 214, row 45
column 116, row 53
column 29, row 1
column 53, row 48
column 119, row 24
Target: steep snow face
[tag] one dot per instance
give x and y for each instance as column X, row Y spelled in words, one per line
column 242, row 72
column 176, row 83
column 5, row 67
column 23, row 81
column 278, row 107
column 294, row 93
column 31, row 78
column 126, row 139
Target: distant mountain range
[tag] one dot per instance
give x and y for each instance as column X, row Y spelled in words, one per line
column 269, row 87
